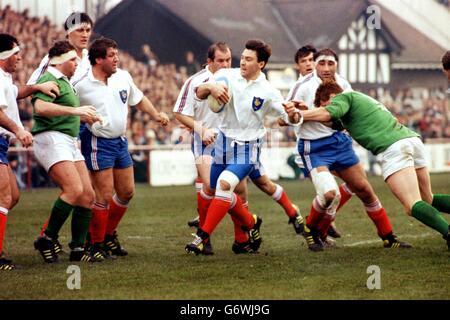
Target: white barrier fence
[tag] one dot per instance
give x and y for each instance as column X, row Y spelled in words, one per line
column 174, row 164
column 177, row 166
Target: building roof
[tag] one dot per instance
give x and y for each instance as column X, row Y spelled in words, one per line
column 285, row 24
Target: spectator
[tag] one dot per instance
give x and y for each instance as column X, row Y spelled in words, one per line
column 192, row 65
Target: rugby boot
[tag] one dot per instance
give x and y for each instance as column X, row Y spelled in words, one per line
column 255, row 233
column 313, row 241
column 297, row 221
column 112, row 245
column 207, row 249
column 6, row 264
column 82, row 255
column 333, row 232
column 46, row 247
column 242, row 247
column 194, row 222
column 390, row 241
column 197, row 245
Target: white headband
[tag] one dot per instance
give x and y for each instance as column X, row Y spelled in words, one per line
column 6, row 54
column 63, row 58
column 326, row 58
column 78, row 26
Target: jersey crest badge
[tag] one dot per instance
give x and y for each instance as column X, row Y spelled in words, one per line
column 257, row 103
column 123, row 95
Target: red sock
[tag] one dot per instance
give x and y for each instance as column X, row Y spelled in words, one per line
column 239, row 234
column 346, row 194
column 217, row 210
column 44, row 226
column 324, row 224
column 3, row 219
column 203, row 203
column 241, row 213
column 117, row 209
column 378, row 215
column 281, row 197
column 315, row 214
column 99, row 221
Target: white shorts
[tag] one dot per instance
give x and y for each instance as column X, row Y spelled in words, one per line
column 409, row 152
column 51, row 147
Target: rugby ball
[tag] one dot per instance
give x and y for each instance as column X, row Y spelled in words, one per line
column 213, row 103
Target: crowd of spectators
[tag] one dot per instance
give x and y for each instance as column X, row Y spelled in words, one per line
column 425, row 111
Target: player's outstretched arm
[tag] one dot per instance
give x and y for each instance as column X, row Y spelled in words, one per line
column 147, row 106
column 317, row 114
column 218, row 91
column 48, row 88
column 24, row 136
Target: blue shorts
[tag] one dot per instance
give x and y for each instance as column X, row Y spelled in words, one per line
column 334, row 152
column 239, row 157
column 199, row 148
column 4, row 145
column 103, row 153
column 257, row 172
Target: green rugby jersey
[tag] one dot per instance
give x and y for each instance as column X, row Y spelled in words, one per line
column 368, row 121
column 69, row 125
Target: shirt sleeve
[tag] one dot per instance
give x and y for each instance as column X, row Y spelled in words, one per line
column 41, row 96
column 186, row 99
column 276, row 108
column 339, row 106
column 39, row 71
column 136, row 95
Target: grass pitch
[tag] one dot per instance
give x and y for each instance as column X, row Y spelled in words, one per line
column 154, row 231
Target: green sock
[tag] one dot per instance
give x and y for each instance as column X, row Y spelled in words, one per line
column 60, row 212
column 441, row 202
column 428, row 215
column 80, row 226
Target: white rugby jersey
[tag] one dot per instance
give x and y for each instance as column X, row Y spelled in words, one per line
column 189, row 105
column 8, row 100
column 111, row 100
column 306, row 91
column 82, row 69
column 242, row 118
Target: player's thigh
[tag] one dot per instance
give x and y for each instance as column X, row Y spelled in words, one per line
column 405, row 186
column 265, row 184
column 203, row 164
column 242, row 190
column 356, row 178
column 65, row 175
column 5, row 187
column 124, row 182
column 423, row 177
column 103, row 183
column 15, row 193
column 88, row 191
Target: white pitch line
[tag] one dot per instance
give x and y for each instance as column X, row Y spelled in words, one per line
column 139, row 237
column 407, row 236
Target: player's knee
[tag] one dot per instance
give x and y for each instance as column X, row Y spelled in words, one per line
column 14, row 201
column 224, row 185
column 73, row 193
column 87, row 198
column 6, row 200
column 126, row 195
column 329, row 197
